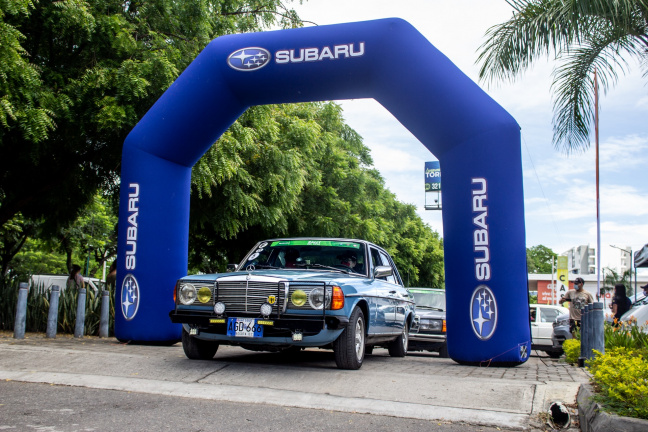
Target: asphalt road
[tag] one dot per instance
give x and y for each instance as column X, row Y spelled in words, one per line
column 52, row 408
column 70, row 384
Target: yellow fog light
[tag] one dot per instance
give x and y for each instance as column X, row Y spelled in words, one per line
column 204, row 295
column 298, row 298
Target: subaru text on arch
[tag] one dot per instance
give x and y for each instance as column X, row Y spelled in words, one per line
column 294, row 293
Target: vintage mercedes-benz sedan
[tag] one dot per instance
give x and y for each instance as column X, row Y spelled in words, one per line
column 289, row 294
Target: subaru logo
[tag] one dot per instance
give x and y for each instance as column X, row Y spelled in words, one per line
column 483, row 312
column 130, row 297
column 248, row 59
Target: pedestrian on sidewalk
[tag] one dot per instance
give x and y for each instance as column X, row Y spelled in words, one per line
column 75, row 280
column 577, row 298
column 620, row 303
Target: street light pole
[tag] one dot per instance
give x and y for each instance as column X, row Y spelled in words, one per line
column 631, row 272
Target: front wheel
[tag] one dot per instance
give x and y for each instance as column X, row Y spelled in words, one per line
column 349, row 347
column 398, row 347
column 197, row 349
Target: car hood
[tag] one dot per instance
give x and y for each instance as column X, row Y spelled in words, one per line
column 430, row 313
column 288, row 275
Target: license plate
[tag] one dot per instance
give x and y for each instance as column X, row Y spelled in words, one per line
column 244, row 327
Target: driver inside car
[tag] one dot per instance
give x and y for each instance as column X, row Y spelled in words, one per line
column 349, row 259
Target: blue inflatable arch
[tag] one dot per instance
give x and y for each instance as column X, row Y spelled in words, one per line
column 476, row 141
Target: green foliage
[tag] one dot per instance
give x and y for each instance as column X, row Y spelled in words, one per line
column 92, row 233
column 587, row 35
column 533, row 299
column 77, row 75
column 539, row 259
column 299, row 170
column 621, row 380
column 627, row 335
column 572, row 348
column 612, row 277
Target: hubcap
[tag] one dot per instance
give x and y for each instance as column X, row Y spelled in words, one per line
column 359, row 339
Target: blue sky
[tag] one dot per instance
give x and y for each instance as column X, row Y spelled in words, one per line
column 560, row 191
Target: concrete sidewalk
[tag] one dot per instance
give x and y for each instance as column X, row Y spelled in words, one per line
column 419, row 386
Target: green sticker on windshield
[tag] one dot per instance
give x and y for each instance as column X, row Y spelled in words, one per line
column 315, row 243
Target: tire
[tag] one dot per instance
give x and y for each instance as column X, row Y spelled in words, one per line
column 196, row 349
column 554, row 354
column 398, row 347
column 349, row 347
column 443, row 352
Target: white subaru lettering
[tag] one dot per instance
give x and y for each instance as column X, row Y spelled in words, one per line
column 481, row 241
column 317, row 54
column 131, row 229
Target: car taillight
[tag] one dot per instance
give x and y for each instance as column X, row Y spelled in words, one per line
column 337, row 302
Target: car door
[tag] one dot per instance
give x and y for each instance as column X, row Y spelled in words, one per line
column 397, row 296
column 384, row 299
column 533, row 318
column 544, row 325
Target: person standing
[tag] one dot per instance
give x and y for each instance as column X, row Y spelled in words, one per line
column 577, row 298
column 75, row 280
column 620, row 303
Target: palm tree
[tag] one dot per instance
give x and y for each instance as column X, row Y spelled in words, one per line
column 587, row 35
column 612, row 277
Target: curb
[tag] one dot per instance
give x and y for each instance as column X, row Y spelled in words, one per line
column 594, row 419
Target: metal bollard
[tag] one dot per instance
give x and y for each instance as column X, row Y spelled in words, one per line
column 80, row 315
column 584, row 336
column 105, row 308
column 52, row 316
column 597, row 337
column 21, row 311
column 590, row 331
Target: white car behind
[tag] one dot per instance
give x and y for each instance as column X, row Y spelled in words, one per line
column 542, row 318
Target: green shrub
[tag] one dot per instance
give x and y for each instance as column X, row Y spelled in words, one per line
column 626, row 334
column 572, row 348
column 621, row 380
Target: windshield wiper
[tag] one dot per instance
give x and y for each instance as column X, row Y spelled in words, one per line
column 322, row 266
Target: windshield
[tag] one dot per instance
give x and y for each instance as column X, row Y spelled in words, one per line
column 345, row 256
column 431, row 299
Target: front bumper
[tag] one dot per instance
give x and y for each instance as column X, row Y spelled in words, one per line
column 315, row 330
column 426, row 341
column 559, row 336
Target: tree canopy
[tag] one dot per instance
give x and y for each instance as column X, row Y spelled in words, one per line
column 588, row 35
column 299, row 170
column 540, row 259
column 77, row 75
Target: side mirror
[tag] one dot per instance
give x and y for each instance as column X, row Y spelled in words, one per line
column 382, row 271
column 232, row 267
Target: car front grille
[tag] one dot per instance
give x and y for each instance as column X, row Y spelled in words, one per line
column 248, row 296
column 243, row 296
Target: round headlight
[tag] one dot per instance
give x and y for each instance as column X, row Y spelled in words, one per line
column 298, row 298
column 219, row 308
column 204, row 295
column 266, row 309
column 316, row 298
column 187, row 294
